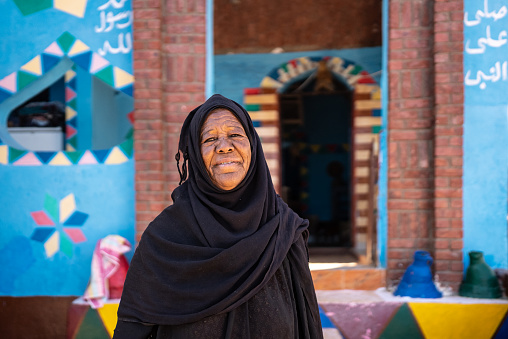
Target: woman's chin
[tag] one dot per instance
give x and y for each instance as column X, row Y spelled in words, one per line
column 228, row 181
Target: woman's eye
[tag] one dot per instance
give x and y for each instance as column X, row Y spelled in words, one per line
column 209, row 139
column 235, row 135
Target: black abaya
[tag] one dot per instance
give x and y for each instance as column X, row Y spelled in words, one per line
column 221, row 264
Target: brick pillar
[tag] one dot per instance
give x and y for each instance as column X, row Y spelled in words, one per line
column 411, row 133
column 449, row 111
column 148, row 127
column 184, row 46
column 169, row 67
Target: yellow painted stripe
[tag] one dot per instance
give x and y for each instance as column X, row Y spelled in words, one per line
column 377, row 94
column 260, row 99
column 273, row 164
column 361, row 172
column 367, row 121
column 367, row 104
column 366, row 138
column 4, row 154
column 264, row 116
column 361, row 188
column 362, row 88
column 270, row 148
column 362, row 205
column 361, row 221
column 269, row 82
column 362, row 155
column 267, row 131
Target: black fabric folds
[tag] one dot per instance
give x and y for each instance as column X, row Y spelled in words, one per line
column 212, row 249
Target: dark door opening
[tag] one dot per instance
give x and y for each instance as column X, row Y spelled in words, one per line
column 316, row 160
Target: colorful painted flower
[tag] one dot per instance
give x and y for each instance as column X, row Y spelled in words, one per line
column 59, row 225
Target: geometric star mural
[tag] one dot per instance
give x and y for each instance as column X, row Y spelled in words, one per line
column 75, row 7
column 59, row 225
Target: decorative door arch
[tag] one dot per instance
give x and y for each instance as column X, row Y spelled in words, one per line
column 263, row 105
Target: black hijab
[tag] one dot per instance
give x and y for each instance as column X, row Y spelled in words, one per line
column 212, row 249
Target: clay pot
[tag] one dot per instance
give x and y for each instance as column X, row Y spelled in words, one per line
column 417, row 280
column 480, row 280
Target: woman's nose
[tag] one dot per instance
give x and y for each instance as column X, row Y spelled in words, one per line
column 224, row 146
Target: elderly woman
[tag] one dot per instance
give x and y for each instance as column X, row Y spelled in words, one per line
column 229, row 258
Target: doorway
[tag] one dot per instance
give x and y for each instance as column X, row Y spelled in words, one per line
column 316, row 158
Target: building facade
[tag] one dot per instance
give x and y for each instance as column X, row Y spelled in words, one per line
column 384, row 123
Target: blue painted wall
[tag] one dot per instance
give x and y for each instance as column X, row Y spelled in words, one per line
column 485, row 178
column 382, row 208
column 103, row 193
column 109, row 110
column 84, row 85
column 32, row 33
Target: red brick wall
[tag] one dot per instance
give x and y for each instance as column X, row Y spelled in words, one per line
column 410, row 137
column 425, row 136
column 259, row 26
column 169, row 66
column 449, row 118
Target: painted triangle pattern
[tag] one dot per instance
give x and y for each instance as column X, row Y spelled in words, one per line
column 92, row 327
column 83, row 60
column 393, row 320
column 85, row 322
column 330, row 331
column 75, row 7
column 359, row 320
column 71, row 121
column 114, row 156
column 502, row 330
column 34, row 66
column 81, row 55
column 458, row 320
column 402, row 325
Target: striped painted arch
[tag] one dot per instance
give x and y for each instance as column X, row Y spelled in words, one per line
column 263, row 106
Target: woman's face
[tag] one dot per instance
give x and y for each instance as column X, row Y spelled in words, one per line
column 225, row 149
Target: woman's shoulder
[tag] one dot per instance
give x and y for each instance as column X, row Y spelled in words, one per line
column 171, row 222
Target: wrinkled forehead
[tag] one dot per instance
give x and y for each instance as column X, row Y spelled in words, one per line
column 221, row 117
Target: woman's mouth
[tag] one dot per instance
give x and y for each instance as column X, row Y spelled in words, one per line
column 226, row 163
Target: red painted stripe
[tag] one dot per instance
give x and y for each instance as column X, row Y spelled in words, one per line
column 248, row 91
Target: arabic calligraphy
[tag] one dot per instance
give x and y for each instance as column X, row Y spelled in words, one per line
column 486, row 47
column 487, row 41
column 122, row 48
column 497, row 72
column 113, row 3
column 485, row 14
column 110, row 21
